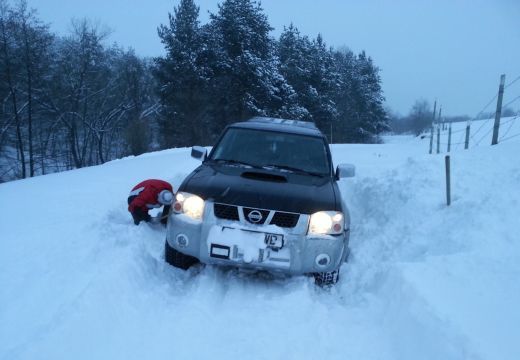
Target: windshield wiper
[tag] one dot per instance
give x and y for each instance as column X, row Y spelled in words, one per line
column 294, row 169
column 235, row 162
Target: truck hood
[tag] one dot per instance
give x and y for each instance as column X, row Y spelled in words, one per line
column 265, row 189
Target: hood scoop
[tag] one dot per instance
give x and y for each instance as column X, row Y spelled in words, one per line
column 263, row 176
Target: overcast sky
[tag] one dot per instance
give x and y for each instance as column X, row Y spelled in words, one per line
column 450, row 50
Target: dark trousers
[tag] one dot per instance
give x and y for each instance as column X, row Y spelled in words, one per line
column 139, row 215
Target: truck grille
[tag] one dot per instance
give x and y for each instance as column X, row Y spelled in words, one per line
column 230, row 212
column 284, row 219
column 223, row 211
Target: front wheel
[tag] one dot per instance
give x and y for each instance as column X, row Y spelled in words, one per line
column 178, row 259
column 326, row 278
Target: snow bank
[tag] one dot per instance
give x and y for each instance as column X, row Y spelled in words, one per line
column 425, row 281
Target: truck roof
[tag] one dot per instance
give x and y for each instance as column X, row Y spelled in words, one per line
column 280, row 125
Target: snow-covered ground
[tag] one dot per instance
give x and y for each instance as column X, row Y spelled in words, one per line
column 425, row 281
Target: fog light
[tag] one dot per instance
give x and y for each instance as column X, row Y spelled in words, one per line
column 182, row 240
column 248, row 259
column 322, row 260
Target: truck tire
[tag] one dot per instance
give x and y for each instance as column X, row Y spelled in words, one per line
column 326, row 278
column 178, row 259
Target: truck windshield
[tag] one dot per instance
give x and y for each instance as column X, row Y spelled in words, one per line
column 268, row 149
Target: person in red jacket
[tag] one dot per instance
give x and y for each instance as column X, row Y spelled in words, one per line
column 147, row 195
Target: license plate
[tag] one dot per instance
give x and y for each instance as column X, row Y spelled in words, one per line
column 220, row 251
column 274, row 241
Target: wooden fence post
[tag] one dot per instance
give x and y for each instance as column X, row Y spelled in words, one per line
column 439, row 124
column 448, row 182
column 466, row 142
column 431, row 139
column 498, row 113
column 433, row 124
column 449, row 137
column 438, row 138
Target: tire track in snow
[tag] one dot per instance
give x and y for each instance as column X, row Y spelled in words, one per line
column 390, row 227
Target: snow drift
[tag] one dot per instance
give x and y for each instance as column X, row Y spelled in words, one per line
column 425, row 281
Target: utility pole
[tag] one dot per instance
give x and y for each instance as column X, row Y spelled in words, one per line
column 498, row 113
column 433, row 123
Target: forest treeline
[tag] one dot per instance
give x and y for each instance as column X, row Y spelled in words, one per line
column 73, row 101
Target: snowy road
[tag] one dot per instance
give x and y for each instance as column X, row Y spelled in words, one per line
column 79, row 280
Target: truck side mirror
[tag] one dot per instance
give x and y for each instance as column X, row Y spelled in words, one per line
column 345, row 171
column 199, row 153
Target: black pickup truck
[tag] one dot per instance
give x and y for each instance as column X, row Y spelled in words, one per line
column 265, row 198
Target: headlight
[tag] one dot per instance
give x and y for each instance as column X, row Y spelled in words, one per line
column 326, row 223
column 188, row 204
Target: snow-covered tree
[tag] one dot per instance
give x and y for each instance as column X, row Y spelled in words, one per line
column 247, row 80
column 294, row 52
column 182, row 77
column 361, row 115
column 370, row 103
column 323, row 85
column 309, row 68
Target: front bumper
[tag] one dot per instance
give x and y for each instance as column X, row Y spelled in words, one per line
column 242, row 244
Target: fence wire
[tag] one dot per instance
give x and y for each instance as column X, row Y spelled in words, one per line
column 461, row 139
column 504, row 136
column 480, row 128
column 510, row 137
column 512, row 82
column 512, row 101
column 501, row 124
column 473, row 135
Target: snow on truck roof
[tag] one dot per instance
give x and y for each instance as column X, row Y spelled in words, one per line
column 283, row 125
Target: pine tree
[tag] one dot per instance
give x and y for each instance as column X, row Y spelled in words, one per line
column 359, row 99
column 182, row 77
column 293, row 52
column 309, row 68
column 323, row 86
column 247, row 80
column 376, row 113
column 349, row 84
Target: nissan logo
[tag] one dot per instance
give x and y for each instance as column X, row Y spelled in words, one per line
column 255, row 216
